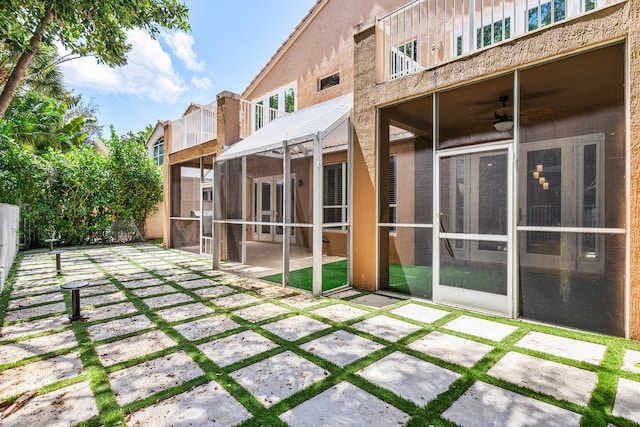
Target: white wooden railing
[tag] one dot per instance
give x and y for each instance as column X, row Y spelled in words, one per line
column 253, row 116
column 195, row 128
column 426, row 33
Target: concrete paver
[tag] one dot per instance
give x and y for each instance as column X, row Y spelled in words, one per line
column 132, row 347
column 386, row 328
column 460, row 351
column 563, row 347
column 627, row 398
column 260, row 312
column 409, row 377
column 208, row 404
column 114, row 328
column 631, row 361
column 556, row 379
column 344, row 405
column 420, row 313
column 235, row 348
column 487, row 405
column 183, row 312
column 278, row 377
column 481, row 328
column 206, row 327
column 296, row 327
column 340, row 312
column 150, row 377
column 36, row 346
column 341, row 347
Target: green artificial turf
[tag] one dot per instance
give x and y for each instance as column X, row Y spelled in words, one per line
column 334, row 274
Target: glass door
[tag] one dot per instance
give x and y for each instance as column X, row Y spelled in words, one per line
column 265, row 230
column 473, row 267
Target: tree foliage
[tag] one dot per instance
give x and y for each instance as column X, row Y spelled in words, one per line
column 83, row 27
column 79, row 194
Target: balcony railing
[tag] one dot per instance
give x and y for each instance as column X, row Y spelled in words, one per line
column 195, row 128
column 254, row 115
column 426, row 33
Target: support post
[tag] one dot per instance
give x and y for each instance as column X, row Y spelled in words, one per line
column 317, row 215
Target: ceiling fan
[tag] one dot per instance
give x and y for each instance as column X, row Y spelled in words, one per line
column 503, row 116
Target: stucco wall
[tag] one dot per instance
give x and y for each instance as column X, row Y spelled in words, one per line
column 618, row 22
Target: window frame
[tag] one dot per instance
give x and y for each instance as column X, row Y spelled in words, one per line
column 158, row 156
column 344, row 205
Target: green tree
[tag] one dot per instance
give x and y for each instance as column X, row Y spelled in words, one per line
column 135, row 180
column 84, row 27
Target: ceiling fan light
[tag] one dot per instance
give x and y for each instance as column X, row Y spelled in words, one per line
column 503, row 126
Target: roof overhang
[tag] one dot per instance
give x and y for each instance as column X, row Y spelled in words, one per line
column 317, row 121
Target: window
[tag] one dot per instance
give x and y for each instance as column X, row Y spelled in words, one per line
column 540, row 16
column 335, row 193
column 327, row 82
column 393, row 194
column 158, row 151
column 501, row 31
column 274, row 104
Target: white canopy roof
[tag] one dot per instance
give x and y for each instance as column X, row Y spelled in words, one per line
column 297, row 127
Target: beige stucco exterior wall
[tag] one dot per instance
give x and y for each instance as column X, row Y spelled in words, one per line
column 323, row 48
column 618, row 22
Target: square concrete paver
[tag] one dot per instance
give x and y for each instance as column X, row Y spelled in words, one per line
column 99, row 289
column 30, row 327
column 340, row 312
column 386, row 328
column 278, row 377
column 41, row 310
column 150, row 377
column 420, row 313
column 208, row 404
column 344, row 405
column 257, row 313
column 460, row 351
column 165, row 300
column 563, row 347
column 344, row 294
column 67, row 406
column 206, row 327
column 487, row 405
column 560, row 381
column 236, row 300
column 197, row 283
column 234, row 348
column 215, row 291
column 108, row 311
column 132, row 347
column 102, row 299
column 302, row 301
column 375, row 300
column 46, row 289
column 34, row 375
column 627, row 398
column 481, row 328
column 37, row 346
column 103, row 331
column 39, row 299
column 631, row 361
column 142, row 283
column 409, row 377
column 341, row 347
column 296, row 327
column 277, row 291
column 154, row 290
column 183, row 312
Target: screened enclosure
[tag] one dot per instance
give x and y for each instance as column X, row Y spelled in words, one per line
column 281, row 201
column 513, row 194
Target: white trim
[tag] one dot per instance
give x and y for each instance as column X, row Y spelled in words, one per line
column 590, row 230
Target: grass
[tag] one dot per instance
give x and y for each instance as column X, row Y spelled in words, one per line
column 334, row 275
column 598, row 411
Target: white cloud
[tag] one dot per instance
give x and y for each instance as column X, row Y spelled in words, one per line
column 181, row 45
column 149, row 72
column 202, row 83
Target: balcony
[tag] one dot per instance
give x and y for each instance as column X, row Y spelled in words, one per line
column 195, row 128
column 254, row 115
column 426, row 33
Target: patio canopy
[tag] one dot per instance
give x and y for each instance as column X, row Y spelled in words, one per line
column 297, row 127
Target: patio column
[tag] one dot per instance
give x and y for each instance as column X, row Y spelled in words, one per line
column 288, row 216
column 217, row 214
column 317, row 214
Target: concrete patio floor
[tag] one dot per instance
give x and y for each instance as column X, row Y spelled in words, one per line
column 166, row 341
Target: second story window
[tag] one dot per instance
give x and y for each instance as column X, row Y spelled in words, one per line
column 329, row 81
column 274, row 104
column 158, row 151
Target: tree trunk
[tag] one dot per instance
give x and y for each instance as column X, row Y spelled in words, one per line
column 19, row 71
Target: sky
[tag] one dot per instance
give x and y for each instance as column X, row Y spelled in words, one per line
column 229, row 43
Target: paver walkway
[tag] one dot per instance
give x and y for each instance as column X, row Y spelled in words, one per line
column 168, row 341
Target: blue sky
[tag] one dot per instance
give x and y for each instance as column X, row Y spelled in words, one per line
column 229, row 42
